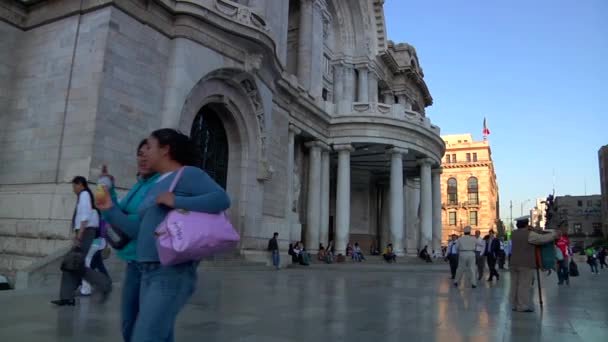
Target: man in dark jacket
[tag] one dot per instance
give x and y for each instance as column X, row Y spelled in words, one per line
column 492, row 252
column 523, row 263
column 273, row 247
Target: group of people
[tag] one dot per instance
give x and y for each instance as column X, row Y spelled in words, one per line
column 466, row 253
column 153, row 294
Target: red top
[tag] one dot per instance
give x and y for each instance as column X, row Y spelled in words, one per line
column 563, row 243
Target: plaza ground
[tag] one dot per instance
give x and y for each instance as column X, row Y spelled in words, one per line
column 333, row 303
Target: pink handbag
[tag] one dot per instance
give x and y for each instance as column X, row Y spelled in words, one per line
column 188, row 235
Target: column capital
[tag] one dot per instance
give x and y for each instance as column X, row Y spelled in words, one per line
column 425, row 161
column 397, row 150
column 294, row 129
column 343, row 147
column 317, row 143
column 437, row 171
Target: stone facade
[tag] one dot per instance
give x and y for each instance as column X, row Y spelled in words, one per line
column 324, row 117
column 580, row 217
column 469, row 190
column 603, row 166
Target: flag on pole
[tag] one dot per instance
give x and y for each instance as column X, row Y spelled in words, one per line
column 486, row 131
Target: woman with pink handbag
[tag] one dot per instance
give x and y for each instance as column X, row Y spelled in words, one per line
column 165, row 289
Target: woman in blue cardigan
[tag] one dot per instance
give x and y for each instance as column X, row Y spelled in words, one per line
column 164, row 290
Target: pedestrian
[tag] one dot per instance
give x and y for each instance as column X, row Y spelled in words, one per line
column 273, row 247
column 424, row 254
column 563, row 247
column 357, row 253
column 492, row 251
column 164, row 289
column 509, row 251
column 465, row 246
column 523, row 264
column 502, row 254
column 601, row 256
column 389, row 254
column 592, row 259
column 480, row 260
column 452, row 255
column 129, row 204
column 85, row 223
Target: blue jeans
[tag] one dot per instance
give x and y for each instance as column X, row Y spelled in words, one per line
column 562, row 271
column 276, row 258
column 164, row 291
column 130, row 300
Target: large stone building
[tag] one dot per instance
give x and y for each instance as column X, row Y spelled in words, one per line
column 603, row 166
column 469, row 192
column 579, row 216
column 304, row 110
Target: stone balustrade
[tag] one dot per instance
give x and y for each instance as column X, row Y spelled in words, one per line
column 394, row 111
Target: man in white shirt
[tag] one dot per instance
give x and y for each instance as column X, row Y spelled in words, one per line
column 480, row 259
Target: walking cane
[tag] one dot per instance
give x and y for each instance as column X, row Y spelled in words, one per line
column 538, row 263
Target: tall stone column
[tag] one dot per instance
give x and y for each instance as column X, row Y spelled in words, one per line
column 426, row 204
column 437, row 225
column 373, row 87
column 412, row 216
column 396, row 201
column 362, row 84
column 338, row 84
column 385, row 217
column 389, row 97
column 313, row 206
column 349, row 85
column 324, row 229
column 305, row 43
column 343, row 197
column 316, row 71
column 289, row 214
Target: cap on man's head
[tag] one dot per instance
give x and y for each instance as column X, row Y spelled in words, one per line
column 522, row 222
column 467, row 230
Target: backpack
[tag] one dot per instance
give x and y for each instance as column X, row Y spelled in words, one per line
column 573, row 269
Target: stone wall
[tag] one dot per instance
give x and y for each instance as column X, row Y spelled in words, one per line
column 131, row 93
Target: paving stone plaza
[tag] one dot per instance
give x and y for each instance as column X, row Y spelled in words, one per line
column 332, row 303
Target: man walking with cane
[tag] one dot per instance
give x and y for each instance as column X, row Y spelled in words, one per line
column 523, row 263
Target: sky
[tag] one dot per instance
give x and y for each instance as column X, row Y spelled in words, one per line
column 537, row 70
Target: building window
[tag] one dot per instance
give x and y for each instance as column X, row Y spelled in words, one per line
column 325, row 94
column 473, row 218
column 452, row 218
column 466, row 141
column 474, row 157
column 448, row 159
column 473, row 190
column 468, row 157
column 597, row 229
column 590, row 203
column 578, row 228
column 460, row 141
column 327, row 65
column 452, row 191
column 580, row 203
column 453, row 158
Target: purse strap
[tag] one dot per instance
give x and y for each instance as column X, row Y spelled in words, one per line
column 176, row 179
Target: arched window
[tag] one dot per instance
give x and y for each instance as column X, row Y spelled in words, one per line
column 452, row 191
column 211, row 142
column 473, row 189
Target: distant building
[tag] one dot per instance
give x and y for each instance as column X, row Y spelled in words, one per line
column 469, row 191
column 579, row 216
column 603, row 161
column 537, row 214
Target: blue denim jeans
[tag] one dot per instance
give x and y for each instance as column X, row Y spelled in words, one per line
column 276, row 258
column 130, row 300
column 163, row 293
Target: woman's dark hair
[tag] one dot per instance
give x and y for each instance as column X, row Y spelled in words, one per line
column 141, row 144
column 80, row 180
column 181, row 148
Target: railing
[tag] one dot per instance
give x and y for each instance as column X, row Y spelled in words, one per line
column 395, row 111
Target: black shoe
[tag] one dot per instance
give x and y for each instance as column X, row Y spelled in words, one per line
column 62, row 302
column 456, row 284
column 474, row 286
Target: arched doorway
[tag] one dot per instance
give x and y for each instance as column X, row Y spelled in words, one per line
column 211, row 140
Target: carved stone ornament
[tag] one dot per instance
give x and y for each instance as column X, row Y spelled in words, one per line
column 265, row 170
column 253, row 62
column 256, row 100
